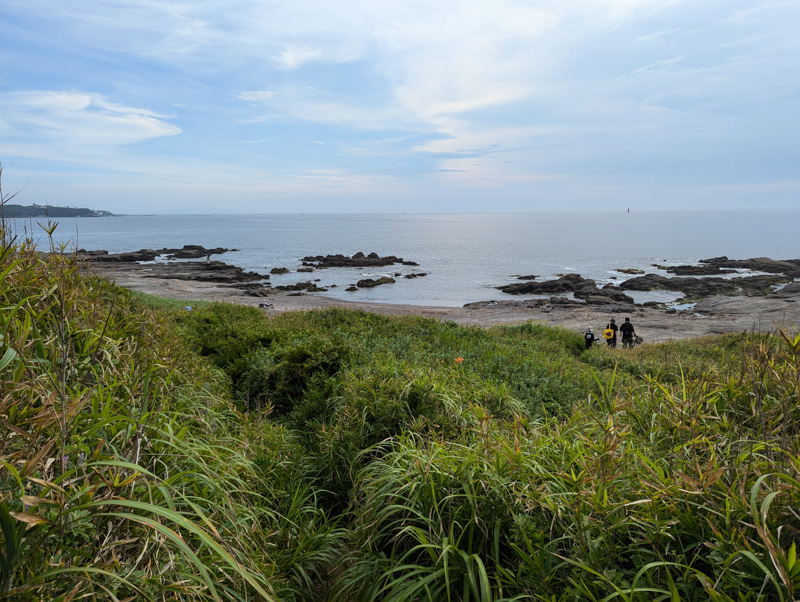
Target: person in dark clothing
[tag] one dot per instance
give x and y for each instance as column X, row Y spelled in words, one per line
column 628, row 333
column 589, row 337
column 612, row 341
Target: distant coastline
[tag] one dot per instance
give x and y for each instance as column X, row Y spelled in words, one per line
column 25, row 211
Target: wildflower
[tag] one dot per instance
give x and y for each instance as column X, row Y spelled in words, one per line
column 459, row 360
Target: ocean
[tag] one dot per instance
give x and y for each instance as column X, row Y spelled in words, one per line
column 465, row 256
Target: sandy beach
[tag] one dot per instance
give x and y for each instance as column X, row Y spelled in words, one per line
column 714, row 315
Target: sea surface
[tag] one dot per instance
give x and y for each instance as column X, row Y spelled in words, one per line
column 465, row 256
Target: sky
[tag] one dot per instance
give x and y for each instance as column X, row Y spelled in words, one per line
column 259, row 106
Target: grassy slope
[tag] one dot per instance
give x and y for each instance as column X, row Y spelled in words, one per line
column 122, row 472
column 508, row 462
column 366, row 457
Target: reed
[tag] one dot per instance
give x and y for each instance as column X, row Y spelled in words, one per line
column 109, row 487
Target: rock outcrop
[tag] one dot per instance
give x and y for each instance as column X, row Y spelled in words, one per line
column 356, row 261
column 308, row 286
column 370, row 283
column 694, row 270
column 202, row 271
column 787, row 267
column 698, row 288
column 582, row 288
column 185, row 252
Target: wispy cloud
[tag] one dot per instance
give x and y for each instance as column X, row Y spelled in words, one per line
column 78, row 119
column 662, row 64
column 257, row 96
column 656, row 35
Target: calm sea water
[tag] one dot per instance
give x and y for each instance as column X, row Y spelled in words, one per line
column 464, row 255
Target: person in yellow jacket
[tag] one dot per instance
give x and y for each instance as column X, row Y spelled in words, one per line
column 610, row 333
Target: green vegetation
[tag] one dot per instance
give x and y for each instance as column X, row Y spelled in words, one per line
column 26, row 211
column 152, row 453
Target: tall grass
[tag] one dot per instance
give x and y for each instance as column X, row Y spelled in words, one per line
column 684, row 492
column 117, row 474
column 509, row 463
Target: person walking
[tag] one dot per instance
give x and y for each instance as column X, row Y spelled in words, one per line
column 589, row 337
column 628, row 334
column 610, row 333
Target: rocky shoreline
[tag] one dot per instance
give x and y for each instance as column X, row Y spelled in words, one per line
column 753, row 306
column 160, row 263
column 773, row 277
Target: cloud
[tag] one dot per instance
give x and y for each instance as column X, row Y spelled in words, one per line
column 655, row 36
column 257, row 96
column 662, row 64
column 294, row 57
column 75, row 119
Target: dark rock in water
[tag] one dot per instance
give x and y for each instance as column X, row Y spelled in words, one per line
column 629, row 271
column 582, row 288
column 279, row 271
column 311, row 287
column 697, row 270
column 192, row 252
column 528, row 277
column 129, row 257
column 692, row 287
column 303, row 270
column 186, row 252
column 356, row 261
column 787, row 267
column 696, row 288
column 565, row 284
column 370, row 283
column 416, row 275
column 351, row 288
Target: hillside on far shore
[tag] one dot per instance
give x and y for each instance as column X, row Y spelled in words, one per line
column 24, row 211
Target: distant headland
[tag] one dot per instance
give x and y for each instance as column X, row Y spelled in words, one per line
column 24, row 211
